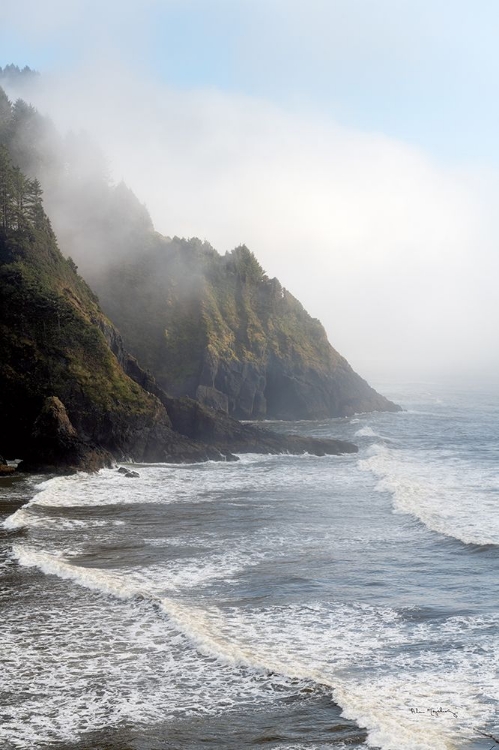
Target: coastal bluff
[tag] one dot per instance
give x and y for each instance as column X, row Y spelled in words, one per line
column 217, row 329
column 71, row 397
column 180, row 343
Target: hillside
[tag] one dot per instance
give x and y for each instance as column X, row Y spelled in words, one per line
column 218, row 329
column 71, row 397
column 211, row 327
column 53, row 346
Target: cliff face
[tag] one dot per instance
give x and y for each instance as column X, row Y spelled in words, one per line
column 71, row 397
column 217, row 329
column 52, row 345
column 210, row 327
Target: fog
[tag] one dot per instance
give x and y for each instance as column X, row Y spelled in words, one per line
column 394, row 251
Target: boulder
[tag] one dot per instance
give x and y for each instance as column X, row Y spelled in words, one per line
column 128, row 472
column 55, row 446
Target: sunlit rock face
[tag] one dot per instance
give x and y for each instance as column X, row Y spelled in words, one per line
column 216, row 328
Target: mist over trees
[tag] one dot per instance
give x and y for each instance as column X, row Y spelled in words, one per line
column 96, row 221
column 212, row 327
column 13, row 74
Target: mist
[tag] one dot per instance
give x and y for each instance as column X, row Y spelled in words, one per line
column 393, row 250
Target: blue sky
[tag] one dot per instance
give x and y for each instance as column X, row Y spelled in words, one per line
column 352, row 144
column 422, row 71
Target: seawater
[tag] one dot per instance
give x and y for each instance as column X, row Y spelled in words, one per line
column 288, row 602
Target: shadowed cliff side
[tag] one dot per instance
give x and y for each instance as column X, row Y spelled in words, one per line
column 51, row 346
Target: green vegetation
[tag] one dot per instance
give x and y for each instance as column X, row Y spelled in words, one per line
column 20, row 197
column 191, row 316
column 51, row 333
column 15, row 73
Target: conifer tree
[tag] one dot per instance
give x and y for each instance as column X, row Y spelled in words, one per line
column 6, row 189
column 20, row 197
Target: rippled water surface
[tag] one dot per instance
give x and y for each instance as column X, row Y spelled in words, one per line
column 281, row 601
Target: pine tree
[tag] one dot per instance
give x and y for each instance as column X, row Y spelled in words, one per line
column 20, row 197
column 33, row 210
column 6, row 189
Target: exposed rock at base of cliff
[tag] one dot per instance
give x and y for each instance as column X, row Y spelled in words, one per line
column 202, row 424
column 214, row 428
column 55, row 447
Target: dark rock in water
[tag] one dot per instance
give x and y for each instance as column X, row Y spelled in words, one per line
column 127, row 472
column 4, row 468
column 230, row 457
column 230, row 436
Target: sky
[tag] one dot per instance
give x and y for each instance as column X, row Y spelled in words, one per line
column 351, row 144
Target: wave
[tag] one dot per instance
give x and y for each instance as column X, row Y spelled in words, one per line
column 446, row 495
column 93, row 661
column 26, row 518
column 388, row 670
column 366, row 432
column 321, row 645
column 164, row 484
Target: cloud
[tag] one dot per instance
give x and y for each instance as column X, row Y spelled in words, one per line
column 395, row 253
column 392, row 252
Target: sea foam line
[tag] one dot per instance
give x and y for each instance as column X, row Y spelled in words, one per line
column 443, row 503
column 362, row 702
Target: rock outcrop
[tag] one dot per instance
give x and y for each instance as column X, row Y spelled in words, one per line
column 216, row 329
column 5, row 469
column 54, row 445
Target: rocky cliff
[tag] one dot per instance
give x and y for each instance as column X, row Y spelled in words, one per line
column 52, row 345
column 207, row 326
column 71, row 397
column 217, row 329
column 211, row 327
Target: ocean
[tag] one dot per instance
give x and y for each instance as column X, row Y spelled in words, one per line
column 289, row 602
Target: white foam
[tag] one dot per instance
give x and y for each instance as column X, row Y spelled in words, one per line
column 101, row 665
column 104, row 581
column 400, row 665
column 326, row 643
column 165, row 484
column 379, row 702
column 376, row 664
column 25, row 518
column 449, row 497
column 366, row 432
column 83, row 661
